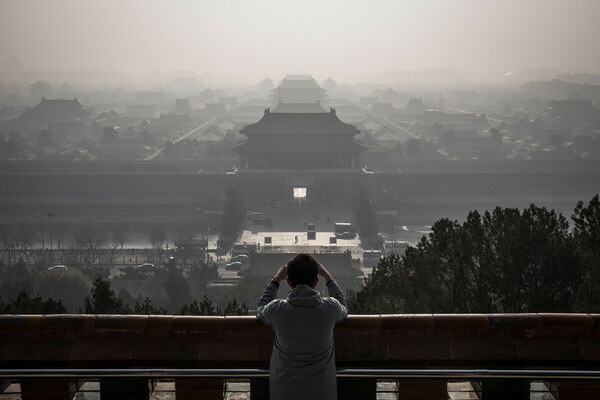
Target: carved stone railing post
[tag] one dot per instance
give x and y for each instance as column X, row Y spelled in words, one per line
column 45, row 389
column 357, row 389
column 259, row 388
column 124, row 389
column 198, row 388
column 505, row 389
column 5, row 384
column 423, row 389
column 578, row 390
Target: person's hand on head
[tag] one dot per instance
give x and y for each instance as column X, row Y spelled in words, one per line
column 324, row 273
column 281, row 275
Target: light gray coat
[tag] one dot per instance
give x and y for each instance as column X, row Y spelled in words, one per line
column 303, row 360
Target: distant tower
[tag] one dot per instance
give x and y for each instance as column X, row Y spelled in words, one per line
column 38, row 90
column 298, row 89
column 330, row 85
column 300, row 141
column 266, row 85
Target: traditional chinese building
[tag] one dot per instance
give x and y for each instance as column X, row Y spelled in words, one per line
column 299, row 108
column 298, row 89
column 49, row 111
column 299, row 142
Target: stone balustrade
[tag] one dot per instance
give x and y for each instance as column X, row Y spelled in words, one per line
column 428, row 341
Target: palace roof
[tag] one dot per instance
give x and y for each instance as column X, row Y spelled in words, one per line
column 59, row 107
column 299, row 124
column 303, row 146
column 298, row 82
column 299, row 108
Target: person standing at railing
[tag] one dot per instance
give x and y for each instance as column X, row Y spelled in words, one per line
column 303, row 360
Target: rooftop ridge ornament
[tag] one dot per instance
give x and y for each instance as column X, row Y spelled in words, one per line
column 267, row 110
column 332, row 110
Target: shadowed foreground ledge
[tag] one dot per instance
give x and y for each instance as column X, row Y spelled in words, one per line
column 482, row 341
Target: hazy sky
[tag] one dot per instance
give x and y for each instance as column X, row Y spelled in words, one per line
column 246, row 40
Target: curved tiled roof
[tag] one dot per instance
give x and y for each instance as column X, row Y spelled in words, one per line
column 303, row 124
column 60, row 106
column 303, row 146
column 299, row 108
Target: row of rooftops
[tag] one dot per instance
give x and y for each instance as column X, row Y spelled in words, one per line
column 58, row 109
column 416, row 167
column 307, row 118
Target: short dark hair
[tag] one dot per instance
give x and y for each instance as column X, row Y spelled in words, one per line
column 303, row 270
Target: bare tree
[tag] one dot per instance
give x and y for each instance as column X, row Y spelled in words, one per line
column 60, row 236
column 88, row 244
column 23, row 239
column 7, row 241
column 119, row 237
column 157, row 240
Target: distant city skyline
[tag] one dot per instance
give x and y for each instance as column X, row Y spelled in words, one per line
column 240, row 41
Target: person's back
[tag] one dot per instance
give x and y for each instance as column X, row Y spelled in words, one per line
column 303, row 359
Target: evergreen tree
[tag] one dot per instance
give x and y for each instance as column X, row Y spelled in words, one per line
column 504, row 261
column 147, row 308
column 379, row 292
column 587, row 238
column 15, row 279
column 205, row 307
column 70, row 286
column 235, row 308
column 25, row 304
column 102, row 299
column 176, row 287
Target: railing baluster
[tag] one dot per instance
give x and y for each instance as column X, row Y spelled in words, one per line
column 423, row 389
column 357, row 389
column 259, row 388
column 45, row 389
column 577, row 390
column 4, row 384
column 199, row 388
column 505, row 389
column 124, row 389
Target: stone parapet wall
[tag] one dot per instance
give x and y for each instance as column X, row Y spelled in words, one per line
column 561, row 341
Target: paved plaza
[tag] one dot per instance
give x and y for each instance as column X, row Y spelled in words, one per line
column 289, row 225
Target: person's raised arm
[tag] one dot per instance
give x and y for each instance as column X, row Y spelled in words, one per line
column 334, row 291
column 269, row 295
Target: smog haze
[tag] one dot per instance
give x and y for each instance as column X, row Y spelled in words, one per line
column 244, row 41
